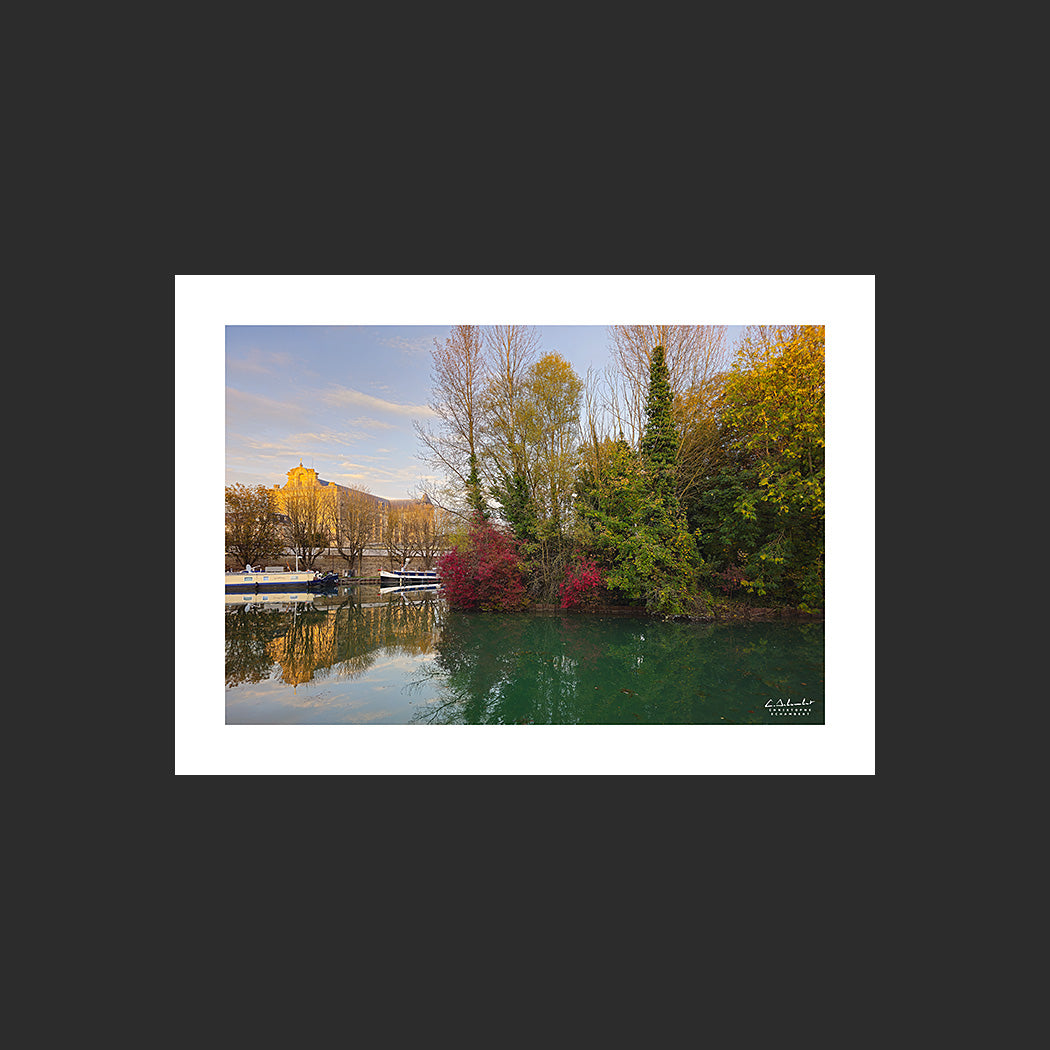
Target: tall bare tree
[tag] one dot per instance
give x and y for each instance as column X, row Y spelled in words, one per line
column 357, row 525
column 311, row 514
column 695, row 355
column 429, row 528
column 459, row 382
column 398, row 534
column 511, row 352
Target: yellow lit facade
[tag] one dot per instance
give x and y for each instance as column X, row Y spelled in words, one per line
column 303, row 479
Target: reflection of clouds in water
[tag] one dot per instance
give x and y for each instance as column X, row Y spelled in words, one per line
column 384, row 693
column 338, row 662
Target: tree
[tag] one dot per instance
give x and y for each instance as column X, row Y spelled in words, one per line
column 357, row 526
column 252, row 533
column 511, row 352
column 695, row 355
column 536, row 495
column 766, row 502
column 459, row 381
column 700, row 449
column 659, row 446
column 635, row 523
column 311, row 523
column 430, row 526
column 398, row 537
column 551, row 421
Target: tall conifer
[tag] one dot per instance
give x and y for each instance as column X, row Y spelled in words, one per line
column 659, row 444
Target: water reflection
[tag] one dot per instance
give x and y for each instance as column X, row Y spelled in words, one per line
column 595, row 670
column 402, row 658
column 343, row 633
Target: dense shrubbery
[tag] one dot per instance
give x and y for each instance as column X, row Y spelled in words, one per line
column 760, row 508
column 634, row 522
column 485, row 572
column 723, row 495
column 581, row 585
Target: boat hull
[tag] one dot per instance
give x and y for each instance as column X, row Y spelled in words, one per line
column 406, row 578
column 410, row 588
column 253, row 582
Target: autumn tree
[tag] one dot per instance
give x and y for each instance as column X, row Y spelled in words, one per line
column 311, row 522
column 252, row 533
column 357, row 525
column 551, row 418
column 536, row 493
column 762, row 511
column 397, row 534
column 430, row 527
column 511, row 351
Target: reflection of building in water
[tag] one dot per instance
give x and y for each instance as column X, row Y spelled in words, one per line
column 348, row 640
column 304, row 480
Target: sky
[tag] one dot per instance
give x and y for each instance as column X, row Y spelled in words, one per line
column 343, row 399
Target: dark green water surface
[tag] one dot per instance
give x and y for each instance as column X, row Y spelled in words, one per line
column 361, row 657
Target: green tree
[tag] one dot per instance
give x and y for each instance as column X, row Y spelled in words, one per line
column 659, row 446
column 634, row 522
column 762, row 511
column 552, row 413
column 535, row 462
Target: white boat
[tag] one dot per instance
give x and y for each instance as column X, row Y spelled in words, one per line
column 411, row 588
column 407, row 577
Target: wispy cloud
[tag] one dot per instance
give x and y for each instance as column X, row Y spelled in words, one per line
column 419, row 344
column 260, row 362
column 342, row 396
column 258, row 408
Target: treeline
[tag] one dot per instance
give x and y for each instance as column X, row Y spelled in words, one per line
column 309, row 522
column 686, row 473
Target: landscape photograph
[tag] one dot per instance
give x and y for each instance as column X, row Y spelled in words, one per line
column 493, row 525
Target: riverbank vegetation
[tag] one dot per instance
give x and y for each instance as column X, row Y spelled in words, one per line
column 688, row 479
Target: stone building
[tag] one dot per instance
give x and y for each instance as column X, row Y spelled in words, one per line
column 302, row 479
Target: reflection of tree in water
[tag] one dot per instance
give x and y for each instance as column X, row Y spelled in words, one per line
column 251, row 633
column 312, row 641
column 475, row 661
column 563, row 670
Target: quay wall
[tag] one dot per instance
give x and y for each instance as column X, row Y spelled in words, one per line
column 372, row 562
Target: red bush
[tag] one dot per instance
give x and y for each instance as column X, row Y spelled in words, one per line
column 486, row 574
column 581, row 584
column 730, row 578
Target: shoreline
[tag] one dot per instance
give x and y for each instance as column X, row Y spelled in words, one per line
column 736, row 614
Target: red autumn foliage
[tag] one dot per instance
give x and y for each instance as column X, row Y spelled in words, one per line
column 486, row 574
column 581, row 584
column 730, row 578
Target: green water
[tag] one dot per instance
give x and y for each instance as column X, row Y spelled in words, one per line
column 362, row 657
column 359, row 657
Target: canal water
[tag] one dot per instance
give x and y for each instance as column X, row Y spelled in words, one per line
column 363, row 657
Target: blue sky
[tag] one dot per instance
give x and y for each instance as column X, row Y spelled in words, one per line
column 343, row 399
